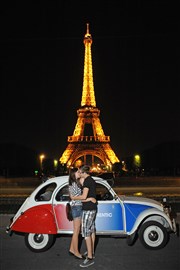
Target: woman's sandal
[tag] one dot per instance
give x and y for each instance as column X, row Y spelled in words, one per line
column 71, row 253
column 77, row 257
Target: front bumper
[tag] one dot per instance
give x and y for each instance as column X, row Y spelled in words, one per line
column 8, row 228
column 171, row 214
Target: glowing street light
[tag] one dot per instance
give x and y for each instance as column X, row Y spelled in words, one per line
column 137, row 164
column 55, row 164
column 41, row 161
column 137, row 160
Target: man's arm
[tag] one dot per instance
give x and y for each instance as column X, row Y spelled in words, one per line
column 83, row 196
column 90, row 199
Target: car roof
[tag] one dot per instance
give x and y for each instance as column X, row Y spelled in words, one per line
column 64, row 178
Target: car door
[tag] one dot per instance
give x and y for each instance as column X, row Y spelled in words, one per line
column 109, row 219
column 61, row 198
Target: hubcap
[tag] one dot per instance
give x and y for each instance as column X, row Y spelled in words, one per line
column 38, row 238
column 153, row 236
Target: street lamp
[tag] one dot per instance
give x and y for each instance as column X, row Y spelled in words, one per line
column 55, row 164
column 41, row 161
column 137, row 163
column 137, row 160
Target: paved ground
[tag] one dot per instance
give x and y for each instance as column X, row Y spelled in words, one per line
column 110, row 254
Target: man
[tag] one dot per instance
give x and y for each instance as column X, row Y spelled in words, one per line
column 89, row 213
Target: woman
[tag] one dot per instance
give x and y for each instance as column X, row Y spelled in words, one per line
column 75, row 189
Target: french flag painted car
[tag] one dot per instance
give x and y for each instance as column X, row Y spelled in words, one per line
column 43, row 216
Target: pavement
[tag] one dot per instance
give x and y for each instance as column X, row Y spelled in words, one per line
column 111, row 253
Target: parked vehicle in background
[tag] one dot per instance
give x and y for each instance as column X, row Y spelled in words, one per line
column 43, row 216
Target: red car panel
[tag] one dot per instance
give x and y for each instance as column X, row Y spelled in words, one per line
column 38, row 219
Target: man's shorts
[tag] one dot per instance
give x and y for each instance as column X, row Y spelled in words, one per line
column 88, row 222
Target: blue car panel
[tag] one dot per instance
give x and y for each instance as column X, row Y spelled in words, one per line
column 109, row 217
column 132, row 212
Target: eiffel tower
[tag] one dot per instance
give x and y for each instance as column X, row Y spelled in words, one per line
column 94, row 144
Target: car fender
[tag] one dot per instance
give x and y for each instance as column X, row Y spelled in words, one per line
column 38, row 219
column 151, row 214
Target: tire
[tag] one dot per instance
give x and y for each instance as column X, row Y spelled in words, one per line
column 39, row 242
column 153, row 235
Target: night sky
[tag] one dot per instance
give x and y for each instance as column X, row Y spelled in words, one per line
column 135, row 54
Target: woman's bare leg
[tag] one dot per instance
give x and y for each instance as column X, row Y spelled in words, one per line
column 75, row 237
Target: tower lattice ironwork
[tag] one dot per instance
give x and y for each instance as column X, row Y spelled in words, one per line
column 88, row 138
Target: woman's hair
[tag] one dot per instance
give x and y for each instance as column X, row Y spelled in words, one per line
column 72, row 177
column 85, row 169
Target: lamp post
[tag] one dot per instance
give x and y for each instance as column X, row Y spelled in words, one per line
column 137, row 164
column 55, row 164
column 137, row 160
column 41, row 161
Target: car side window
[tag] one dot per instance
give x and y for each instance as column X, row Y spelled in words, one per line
column 45, row 194
column 102, row 193
column 63, row 194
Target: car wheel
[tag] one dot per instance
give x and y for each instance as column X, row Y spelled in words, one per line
column 39, row 242
column 153, row 235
